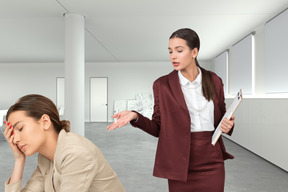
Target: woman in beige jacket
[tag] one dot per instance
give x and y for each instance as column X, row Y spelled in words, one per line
column 66, row 161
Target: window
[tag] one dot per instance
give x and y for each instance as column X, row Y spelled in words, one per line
column 276, row 31
column 242, row 66
column 221, row 69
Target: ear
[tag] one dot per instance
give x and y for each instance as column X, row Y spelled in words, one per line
column 194, row 53
column 46, row 121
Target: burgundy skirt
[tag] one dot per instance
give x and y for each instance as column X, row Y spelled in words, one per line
column 206, row 170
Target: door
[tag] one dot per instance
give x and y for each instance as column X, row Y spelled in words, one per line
column 98, row 99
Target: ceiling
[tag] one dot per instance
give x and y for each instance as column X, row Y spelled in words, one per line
column 126, row 30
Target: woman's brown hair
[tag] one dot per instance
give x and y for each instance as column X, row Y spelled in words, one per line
column 37, row 105
column 193, row 41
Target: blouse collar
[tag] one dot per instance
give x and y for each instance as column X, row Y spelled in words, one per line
column 186, row 83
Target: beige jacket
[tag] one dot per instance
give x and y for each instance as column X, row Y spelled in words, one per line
column 78, row 166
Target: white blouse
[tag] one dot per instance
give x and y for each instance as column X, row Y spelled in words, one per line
column 200, row 110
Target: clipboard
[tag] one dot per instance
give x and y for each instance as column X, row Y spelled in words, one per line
column 232, row 108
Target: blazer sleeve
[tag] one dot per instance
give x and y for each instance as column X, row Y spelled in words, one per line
column 150, row 126
column 35, row 183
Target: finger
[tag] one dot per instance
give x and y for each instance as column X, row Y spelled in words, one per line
column 5, row 130
column 6, row 126
column 121, row 124
column 117, row 125
column 115, row 115
column 9, row 132
column 226, row 127
column 112, row 127
column 228, row 123
column 223, row 130
column 224, row 123
column 11, row 139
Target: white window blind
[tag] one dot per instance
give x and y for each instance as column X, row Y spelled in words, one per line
column 242, row 66
column 276, row 34
column 221, row 64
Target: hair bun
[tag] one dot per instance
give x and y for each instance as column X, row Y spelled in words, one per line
column 65, row 125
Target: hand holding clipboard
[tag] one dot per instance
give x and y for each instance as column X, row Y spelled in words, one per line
column 232, row 108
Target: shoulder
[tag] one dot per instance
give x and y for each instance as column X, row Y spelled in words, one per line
column 214, row 76
column 67, row 139
column 164, row 79
column 72, row 146
column 75, row 152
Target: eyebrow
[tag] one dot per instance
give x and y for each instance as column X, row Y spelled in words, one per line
column 14, row 126
column 176, row 47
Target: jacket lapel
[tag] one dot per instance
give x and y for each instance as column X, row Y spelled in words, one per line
column 176, row 89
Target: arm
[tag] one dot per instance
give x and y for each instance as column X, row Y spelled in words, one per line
column 35, row 183
column 19, row 157
column 150, row 126
column 137, row 120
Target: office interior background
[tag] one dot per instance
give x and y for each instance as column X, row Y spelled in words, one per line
column 126, row 43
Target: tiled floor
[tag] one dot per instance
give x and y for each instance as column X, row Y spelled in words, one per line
column 131, row 153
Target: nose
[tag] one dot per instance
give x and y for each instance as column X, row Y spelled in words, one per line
column 172, row 56
column 17, row 137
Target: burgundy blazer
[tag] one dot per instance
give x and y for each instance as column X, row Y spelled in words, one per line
column 171, row 123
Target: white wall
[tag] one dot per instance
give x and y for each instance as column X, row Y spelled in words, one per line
column 125, row 79
column 18, row 79
column 262, row 127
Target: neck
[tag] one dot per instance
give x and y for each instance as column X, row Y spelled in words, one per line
column 49, row 147
column 190, row 73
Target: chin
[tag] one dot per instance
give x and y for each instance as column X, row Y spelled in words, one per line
column 28, row 153
column 176, row 68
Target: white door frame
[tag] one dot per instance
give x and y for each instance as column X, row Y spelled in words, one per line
column 90, row 110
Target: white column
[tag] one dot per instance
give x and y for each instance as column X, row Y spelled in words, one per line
column 75, row 71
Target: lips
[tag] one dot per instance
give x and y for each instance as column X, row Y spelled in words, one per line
column 175, row 64
column 21, row 147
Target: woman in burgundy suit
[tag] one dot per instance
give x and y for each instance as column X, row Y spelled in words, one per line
column 188, row 105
